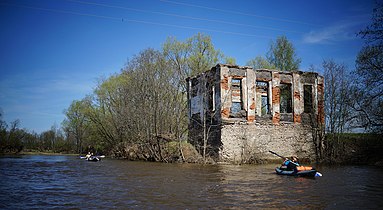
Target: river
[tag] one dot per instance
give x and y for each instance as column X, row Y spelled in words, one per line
column 67, row 182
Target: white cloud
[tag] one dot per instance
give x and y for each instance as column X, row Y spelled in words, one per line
column 331, row 34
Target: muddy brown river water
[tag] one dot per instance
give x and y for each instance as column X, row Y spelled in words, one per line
column 67, row 182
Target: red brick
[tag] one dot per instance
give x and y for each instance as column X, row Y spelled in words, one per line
column 297, row 118
column 297, row 95
column 276, row 118
column 275, row 92
column 225, row 112
column 225, row 83
column 252, row 106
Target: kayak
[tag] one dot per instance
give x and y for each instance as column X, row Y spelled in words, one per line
column 304, row 171
column 310, row 172
column 93, row 158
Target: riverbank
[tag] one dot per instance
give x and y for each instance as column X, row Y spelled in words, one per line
column 46, row 153
column 354, row 148
column 343, row 149
column 38, row 153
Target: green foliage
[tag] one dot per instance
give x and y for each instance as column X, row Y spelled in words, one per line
column 194, row 56
column 260, row 63
column 77, row 122
column 15, row 140
column 202, row 54
column 156, row 103
column 230, row 60
column 282, row 55
column 11, row 137
column 135, row 113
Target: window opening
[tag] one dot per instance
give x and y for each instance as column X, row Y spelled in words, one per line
column 262, row 98
column 235, row 107
column 265, row 105
column 308, row 98
column 236, row 96
column 213, row 98
column 285, row 98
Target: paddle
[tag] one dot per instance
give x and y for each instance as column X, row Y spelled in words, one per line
column 277, row 154
column 101, row 156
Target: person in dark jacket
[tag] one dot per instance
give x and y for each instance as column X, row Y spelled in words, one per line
column 291, row 164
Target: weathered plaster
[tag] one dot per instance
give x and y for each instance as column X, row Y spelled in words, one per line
column 248, row 136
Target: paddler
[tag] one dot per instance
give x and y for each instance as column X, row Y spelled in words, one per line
column 291, row 164
column 87, row 156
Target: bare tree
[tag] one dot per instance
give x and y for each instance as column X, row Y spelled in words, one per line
column 189, row 58
column 337, row 104
column 368, row 91
column 140, row 110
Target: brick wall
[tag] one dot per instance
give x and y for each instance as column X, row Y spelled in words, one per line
column 248, row 136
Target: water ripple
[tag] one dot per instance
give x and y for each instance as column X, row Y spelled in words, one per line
column 66, row 182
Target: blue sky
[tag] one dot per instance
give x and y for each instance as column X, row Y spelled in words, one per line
column 54, row 51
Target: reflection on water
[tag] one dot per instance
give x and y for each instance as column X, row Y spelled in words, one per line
column 42, row 182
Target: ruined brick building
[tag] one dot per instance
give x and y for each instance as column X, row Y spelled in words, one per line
column 237, row 114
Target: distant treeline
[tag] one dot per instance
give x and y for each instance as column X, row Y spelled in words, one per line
column 14, row 140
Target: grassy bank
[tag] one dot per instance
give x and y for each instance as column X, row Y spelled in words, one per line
column 29, row 152
column 45, row 153
column 354, row 148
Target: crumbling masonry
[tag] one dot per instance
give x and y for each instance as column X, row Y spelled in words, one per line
column 237, row 114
